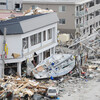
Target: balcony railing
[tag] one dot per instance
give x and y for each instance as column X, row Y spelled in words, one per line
column 80, row 13
column 79, row 25
column 86, row 23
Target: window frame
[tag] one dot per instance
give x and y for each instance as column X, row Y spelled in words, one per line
column 62, row 8
column 62, row 21
column 23, row 41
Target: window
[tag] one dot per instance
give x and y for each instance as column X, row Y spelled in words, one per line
column 2, row 3
column 80, row 20
column 91, row 15
column 39, row 37
column 81, row 7
column 61, row 21
column 61, row 8
column 97, row 1
column 99, row 22
column 44, row 35
column 96, row 24
column 33, row 39
column 34, row 6
column 91, row 4
column 97, row 13
column 84, row 31
column 87, row 29
column 87, row 18
column 76, row 21
column 25, row 43
column 77, row 8
column 46, row 54
column 49, row 34
column 17, row 5
column 52, row 50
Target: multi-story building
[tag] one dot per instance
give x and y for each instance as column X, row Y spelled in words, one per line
column 11, row 4
column 75, row 16
column 31, row 37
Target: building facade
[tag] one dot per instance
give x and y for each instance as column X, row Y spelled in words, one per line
column 75, row 16
column 32, row 37
column 11, row 4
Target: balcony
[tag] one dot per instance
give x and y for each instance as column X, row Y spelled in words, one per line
column 80, row 25
column 86, row 23
column 80, row 13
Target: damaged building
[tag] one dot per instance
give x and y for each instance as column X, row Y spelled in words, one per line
column 32, row 37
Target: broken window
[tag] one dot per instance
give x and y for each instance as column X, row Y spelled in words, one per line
column 91, row 15
column 46, row 54
column 17, row 5
column 25, row 43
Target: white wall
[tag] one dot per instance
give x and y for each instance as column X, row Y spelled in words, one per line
column 14, row 44
column 3, row 6
column 1, row 45
column 54, row 37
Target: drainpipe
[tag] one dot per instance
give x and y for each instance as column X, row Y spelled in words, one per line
column 6, row 4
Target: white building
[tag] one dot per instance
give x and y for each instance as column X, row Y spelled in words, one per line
column 11, row 4
column 28, row 36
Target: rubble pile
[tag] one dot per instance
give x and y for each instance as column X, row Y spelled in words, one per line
column 20, row 87
column 71, row 83
column 36, row 11
column 75, row 84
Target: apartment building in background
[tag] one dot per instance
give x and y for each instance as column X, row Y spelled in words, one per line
column 75, row 16
column 11, row 5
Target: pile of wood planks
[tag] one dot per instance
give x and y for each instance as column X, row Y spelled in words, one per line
column 20, row 86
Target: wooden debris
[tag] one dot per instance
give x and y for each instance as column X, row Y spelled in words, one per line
column 20, row 86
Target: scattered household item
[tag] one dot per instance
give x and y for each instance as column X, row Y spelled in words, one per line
column 15, row 55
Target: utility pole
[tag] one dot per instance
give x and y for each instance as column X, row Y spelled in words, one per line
column 3, row 53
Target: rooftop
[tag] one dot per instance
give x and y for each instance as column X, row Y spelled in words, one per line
column 6, row 14
column 57, row 1
column 24, row 24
